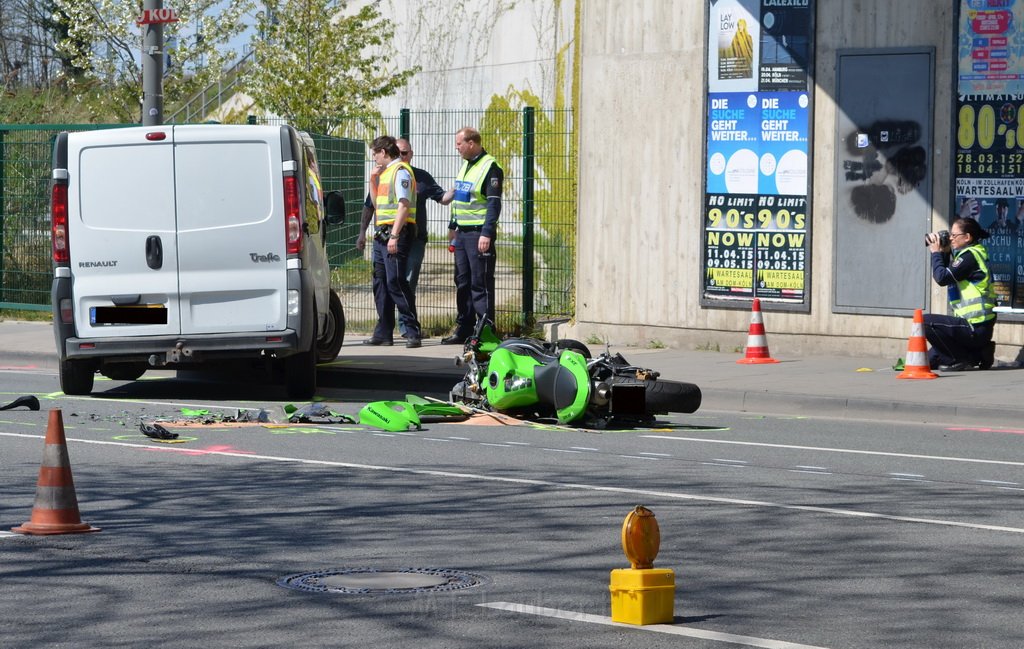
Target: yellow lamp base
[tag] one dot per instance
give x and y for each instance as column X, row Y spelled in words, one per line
column 643, row 596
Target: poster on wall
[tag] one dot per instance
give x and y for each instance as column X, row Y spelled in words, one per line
column 756, row 226
column 989, row 135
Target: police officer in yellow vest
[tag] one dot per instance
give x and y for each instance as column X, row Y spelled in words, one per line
column 394, row 232
column 476, row 206
column 963, row 340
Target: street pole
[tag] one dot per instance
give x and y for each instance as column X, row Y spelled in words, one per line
column 152, row 68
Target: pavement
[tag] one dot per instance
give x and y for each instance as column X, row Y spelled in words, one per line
column 825, row 386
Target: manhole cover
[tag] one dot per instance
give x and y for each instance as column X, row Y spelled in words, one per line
column 371, row 581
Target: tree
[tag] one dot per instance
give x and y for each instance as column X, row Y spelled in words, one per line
column 104, row 43
column 315, row 61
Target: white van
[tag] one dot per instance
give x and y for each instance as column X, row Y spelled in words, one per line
column 182, row 245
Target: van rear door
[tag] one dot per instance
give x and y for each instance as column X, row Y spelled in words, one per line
column 121, row 229
column 232, row 262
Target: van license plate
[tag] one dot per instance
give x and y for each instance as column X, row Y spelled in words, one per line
column 149, row 314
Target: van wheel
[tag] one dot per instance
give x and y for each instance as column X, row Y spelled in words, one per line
column 300, row 375
column 123, row 371
column 76, row 377
column 334, row 332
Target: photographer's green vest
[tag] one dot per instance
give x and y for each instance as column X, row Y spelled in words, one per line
column 387, row 200
column 469, row 207
column 974, row 301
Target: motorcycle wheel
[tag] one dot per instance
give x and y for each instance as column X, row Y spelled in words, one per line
column 662, row 395
column 574, row 345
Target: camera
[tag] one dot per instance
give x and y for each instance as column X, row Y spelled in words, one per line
column 943, row 236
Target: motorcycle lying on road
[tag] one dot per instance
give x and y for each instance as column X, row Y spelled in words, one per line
column 535, row 379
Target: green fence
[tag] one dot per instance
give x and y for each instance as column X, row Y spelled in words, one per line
column 536, row 239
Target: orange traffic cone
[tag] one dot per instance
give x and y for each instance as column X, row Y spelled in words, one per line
column 916, row 365
column 757, row 343
column 56, row 507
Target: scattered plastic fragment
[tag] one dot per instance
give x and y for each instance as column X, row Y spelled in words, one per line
column 393, row 416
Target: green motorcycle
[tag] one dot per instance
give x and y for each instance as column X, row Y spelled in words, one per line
column 536, row 379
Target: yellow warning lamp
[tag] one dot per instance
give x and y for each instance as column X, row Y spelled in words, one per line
column 641, row 538
column 642, row 594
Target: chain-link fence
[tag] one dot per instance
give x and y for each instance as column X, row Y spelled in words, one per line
column 536, row 240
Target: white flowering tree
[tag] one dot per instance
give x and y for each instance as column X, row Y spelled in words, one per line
column 105, row 44
column 317, row 60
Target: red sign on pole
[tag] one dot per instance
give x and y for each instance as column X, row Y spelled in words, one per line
column 157, row 16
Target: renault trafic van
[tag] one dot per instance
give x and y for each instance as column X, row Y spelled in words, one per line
column 178, row 246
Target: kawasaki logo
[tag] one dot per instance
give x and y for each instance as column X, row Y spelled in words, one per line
column 97, row 264
column 268, row 258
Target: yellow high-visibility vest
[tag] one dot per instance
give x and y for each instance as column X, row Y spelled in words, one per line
column 469, row 207
column 387, row 200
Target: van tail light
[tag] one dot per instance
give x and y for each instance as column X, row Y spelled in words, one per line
column 59, row 224
column 292, row 217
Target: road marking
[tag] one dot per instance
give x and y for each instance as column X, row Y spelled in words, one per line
column 460, row 439
column 8, row 535
column 658, row 454
column 639, row 457
column 518, row 443
column 435, row 439
column 670, row 629
column 560, row 450
column 492, row 444
column 583, row 448
column 942, row 458
column 533, row 482
column 809, row 471
column 999, row 482
column 719, row 459
column 906, row 475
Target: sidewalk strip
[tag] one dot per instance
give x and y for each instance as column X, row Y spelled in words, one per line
column 670, row 629
column 631, row 491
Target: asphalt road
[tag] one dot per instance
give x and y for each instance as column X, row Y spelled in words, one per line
column 783, row 532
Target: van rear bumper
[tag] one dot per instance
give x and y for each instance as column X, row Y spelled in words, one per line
column 161, row 350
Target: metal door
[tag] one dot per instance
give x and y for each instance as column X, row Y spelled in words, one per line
column 883, row 184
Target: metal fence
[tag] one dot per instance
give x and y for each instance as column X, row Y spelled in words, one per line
column 536, row 240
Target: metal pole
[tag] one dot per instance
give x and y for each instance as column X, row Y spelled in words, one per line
column 528, row 183
column 152, row 69
column 3, row 163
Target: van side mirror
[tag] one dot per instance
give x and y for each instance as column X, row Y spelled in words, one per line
column 334, row 206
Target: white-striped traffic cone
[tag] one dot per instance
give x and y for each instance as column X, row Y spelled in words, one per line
column 916, row 365
column 757, row 342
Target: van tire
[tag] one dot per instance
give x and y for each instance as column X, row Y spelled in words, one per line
column 123, row 371
column 300, row 375
column 76, row 377
column 334, row 331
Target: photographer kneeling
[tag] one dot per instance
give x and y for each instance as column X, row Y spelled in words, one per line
column 960, row 263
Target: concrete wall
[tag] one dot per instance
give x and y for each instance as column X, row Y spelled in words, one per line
column 641, row 131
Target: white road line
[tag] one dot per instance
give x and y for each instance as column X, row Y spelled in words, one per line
column 906, row 475
column 942, row 458
column 630, row 491
column 809, row 471
column 658, row 454
column 519, row 443
column 492, row 444
column 812, row 468
column 436, row 439
column 8, row 535
column 1011, row 488
column 999, row 482
column 734, row 466
column 383, row 435
column 719, row 459
column 584, row 448
column 560, row 450
column 460, row 439
column 670, row 629
column 638, row 457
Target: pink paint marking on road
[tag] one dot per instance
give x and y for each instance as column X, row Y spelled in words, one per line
column 217, row 448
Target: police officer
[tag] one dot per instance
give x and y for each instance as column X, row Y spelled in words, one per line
column 476, row 206
column 426, row 188
column 394, row 191
column 963, row 340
